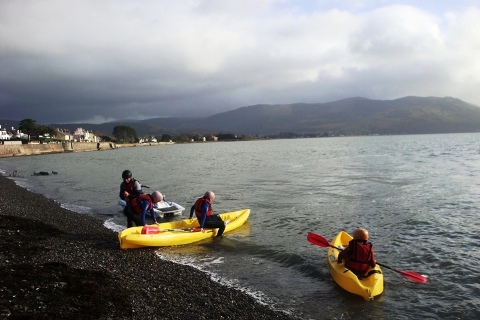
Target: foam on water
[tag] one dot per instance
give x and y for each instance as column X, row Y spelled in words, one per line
column 23, row 184
column 77, row 208
column 110, row 224
column 202, row 265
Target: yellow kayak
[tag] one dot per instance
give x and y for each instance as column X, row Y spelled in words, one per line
column 368, row 287
column 177, row 232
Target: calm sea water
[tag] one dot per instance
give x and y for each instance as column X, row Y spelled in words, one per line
column 417, row 195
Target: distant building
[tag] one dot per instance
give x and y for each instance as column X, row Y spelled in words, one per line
column 82, row 135
column 63, row 135
column 20, row 135
column 4, row 135
column 148, row 139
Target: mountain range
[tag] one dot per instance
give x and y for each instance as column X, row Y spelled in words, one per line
column 352, row 116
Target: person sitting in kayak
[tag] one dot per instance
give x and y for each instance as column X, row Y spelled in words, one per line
column 136, row 208
column 204, row 213
column 130, row 187
column 358, row 255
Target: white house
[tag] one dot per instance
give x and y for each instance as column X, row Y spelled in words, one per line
column 4, row 135
column 19, row 134
column 83, row 135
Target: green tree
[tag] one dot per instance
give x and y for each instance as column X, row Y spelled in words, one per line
column 165, row 138
column 227, row 136
column 105, row 138
column 125, row 134
column 28, row 126
column 42, row 130
column 182, row 138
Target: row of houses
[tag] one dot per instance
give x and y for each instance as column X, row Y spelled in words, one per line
column 80, row 135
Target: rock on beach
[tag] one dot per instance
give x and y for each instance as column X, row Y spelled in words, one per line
column 58, row 264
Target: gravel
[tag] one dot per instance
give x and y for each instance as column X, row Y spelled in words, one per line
column 57, row 264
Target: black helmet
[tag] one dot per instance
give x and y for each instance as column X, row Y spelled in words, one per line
column 126, row 174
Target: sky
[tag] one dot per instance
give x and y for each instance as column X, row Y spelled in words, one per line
column 95, row 61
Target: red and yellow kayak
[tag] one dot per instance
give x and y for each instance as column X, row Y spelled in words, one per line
column 178, row 232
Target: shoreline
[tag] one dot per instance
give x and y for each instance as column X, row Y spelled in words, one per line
column 21, row 150
column 56, row 263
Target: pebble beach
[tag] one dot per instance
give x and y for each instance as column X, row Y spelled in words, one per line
column 58, row 264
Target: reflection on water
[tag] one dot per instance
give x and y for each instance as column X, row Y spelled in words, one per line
column 417, row 196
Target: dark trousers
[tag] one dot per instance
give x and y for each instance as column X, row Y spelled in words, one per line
column 214, row 221
column 132, row 217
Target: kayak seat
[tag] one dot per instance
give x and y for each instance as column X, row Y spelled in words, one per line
column 362, row 275
column 365, row 276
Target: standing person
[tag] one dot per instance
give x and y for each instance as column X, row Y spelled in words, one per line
column 358, row 255
column 130, row 187
column 137, row 207
column 204, row 213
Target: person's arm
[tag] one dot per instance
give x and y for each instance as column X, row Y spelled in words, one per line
column 122, row 193
column 373, row 262
column 342, row 255
column 192, row 209
column 154, row 215
column 138, row 188
column 144, row 204
column 204, row 214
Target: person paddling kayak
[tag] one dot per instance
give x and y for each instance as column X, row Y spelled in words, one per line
column 358, row 255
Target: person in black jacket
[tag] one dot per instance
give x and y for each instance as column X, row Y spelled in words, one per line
column 130, row 187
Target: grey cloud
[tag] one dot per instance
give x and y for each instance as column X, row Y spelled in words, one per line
column 117, row 60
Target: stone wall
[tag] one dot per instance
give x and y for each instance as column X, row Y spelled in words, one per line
column 35, row 149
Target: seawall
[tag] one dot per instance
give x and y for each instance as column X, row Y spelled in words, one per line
column 14, row 150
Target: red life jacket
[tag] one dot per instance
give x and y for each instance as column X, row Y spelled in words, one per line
column 130, row 188
column 360, row 256
column 198, row 207
column 135, row 205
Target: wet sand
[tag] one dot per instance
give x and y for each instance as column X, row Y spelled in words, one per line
column 57, row 264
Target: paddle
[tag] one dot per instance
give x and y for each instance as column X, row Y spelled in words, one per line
column 151, row 229
column 323, row 242
column 154, row 229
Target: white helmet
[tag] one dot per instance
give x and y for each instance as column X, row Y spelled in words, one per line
column 157, row 196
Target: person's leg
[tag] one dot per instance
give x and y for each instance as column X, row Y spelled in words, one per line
column 132, row 218
column 126, row 213
column 215, row 222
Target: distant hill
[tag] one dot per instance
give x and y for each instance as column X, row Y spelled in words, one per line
column 357, row 116
column 352, row 116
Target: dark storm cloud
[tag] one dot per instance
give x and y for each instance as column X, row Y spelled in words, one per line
column 136, row 60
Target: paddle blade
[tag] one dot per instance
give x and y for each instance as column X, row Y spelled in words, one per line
column 413, row 276
column 408, row 274
column 317, row 239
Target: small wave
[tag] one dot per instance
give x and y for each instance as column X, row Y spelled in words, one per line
column 77, row 208
column 110, row 224
column 231, row 283
column 23, row 184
